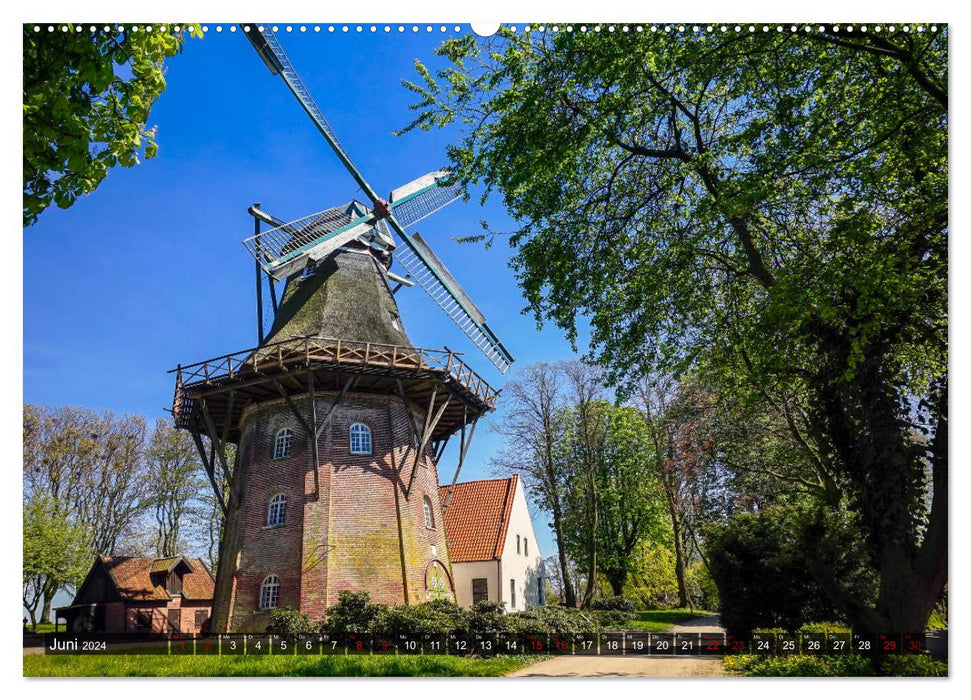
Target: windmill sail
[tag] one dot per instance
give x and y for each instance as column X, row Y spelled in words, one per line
column 285, row 249
column 424, row 267
column 268, row 47
column 423, row 197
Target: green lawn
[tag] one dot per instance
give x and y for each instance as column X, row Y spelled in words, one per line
column 661, row 620
column 128, row 665
column 43, row 627
column 840, row 666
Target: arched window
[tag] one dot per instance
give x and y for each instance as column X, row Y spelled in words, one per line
column 429, row 518
column 269, row 592
column 281, row 446
column 360, row 439
column 276, row 511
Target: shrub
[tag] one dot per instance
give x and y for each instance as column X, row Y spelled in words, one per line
column 553, row 619
column 825, row 628
column 616, row 602
column 434, row 617
column 846, row 666
column 289, row 622
column 353, row 613
column 612, row 619
column 762, row 564
column 487, row 617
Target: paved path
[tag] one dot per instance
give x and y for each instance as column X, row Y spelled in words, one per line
column 645, row 666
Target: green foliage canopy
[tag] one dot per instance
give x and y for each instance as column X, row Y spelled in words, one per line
column 769, row 207
column 693, row 192
column 87, row 98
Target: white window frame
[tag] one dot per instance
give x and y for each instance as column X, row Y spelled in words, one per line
column 270, row 592
column 283, row 443
column 360, row 439
column 512, row 593
column 276, row 510
column 426, row 505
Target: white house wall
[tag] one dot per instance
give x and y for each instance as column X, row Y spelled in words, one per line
column 525, row 570
column 464, row 572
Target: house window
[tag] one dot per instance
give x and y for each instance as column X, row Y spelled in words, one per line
column 480, row 589
column 360, row 439
column 526, row 546
column 276, row 512
column 429, row 518
column 518, row 549
column 201, row 617
column 394, row 321
column 269, row 592
column 281, row 446
column 539, row 590
column 512, row 593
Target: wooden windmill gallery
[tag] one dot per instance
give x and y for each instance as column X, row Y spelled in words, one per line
column 338, row 421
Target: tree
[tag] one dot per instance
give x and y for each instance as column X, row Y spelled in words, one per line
column 770, row 208
column 585, row 425
column 630, row 500
column 91, row 466
column 532, row 403
column 55, row 554
column 87, row 98
column 177, row 490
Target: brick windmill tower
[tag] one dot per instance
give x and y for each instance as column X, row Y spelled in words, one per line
column 338, row 421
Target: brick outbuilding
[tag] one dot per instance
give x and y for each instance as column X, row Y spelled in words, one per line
column 142, row 594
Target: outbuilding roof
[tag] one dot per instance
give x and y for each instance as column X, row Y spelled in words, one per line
column 132, row 577
column 477, row 518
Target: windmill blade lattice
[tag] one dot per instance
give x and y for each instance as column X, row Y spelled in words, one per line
column 283, row 250
column 413, row 208
column 423, row 266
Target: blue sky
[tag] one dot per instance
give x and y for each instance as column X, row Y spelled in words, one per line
column 148, row 271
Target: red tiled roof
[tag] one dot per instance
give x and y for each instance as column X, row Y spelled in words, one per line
column 477, row 518
column 132, row 577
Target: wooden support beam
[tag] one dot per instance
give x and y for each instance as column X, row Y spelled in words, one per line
column 439, row 448
column 210, row 471
column 463, row 449
column 228, row 421
column 430, row 425
column 330, row 412
column 218, row 447
column 293, row 408
column 411, row 418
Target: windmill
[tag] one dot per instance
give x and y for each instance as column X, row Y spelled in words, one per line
column 339, row 423
column 292, row 246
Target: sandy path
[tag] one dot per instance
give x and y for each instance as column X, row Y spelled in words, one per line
column 633, row 666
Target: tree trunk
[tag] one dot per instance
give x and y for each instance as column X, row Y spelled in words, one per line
column 680, row 569
column 617, row 579
column 45, row 614
column 886, row 467
column 569, row 595
column 677, row 528
column 592, row 546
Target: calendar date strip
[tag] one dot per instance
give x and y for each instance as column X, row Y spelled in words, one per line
column 611, row 643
